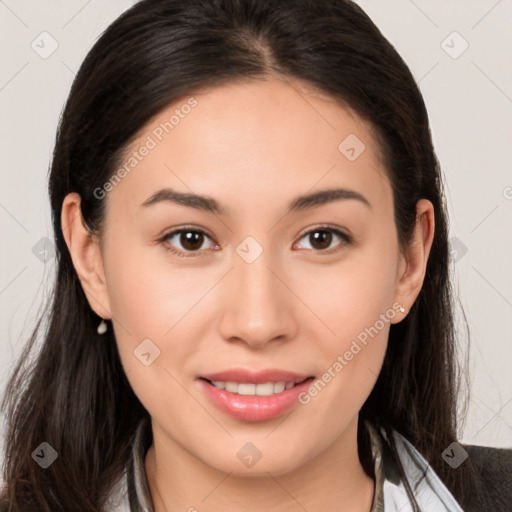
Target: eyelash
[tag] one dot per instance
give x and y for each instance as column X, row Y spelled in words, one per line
column 346, row 239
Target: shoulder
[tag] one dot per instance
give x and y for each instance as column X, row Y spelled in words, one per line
column 494, row 472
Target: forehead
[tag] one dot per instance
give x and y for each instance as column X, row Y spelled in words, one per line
column 267, row 136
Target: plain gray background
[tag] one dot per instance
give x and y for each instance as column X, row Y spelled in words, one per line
column 460, row 54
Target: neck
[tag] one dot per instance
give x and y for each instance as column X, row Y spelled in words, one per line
column 332, row 481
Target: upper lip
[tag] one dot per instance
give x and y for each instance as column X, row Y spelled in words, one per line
column 242, row 375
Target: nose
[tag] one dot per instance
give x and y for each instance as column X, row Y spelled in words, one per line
column 258, row 307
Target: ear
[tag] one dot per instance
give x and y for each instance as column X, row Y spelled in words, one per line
column 414, row 258
column 85, row 254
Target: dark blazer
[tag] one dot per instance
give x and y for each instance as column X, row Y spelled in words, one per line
column 494, row 467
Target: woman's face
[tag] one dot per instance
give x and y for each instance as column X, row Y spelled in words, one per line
column 260, row 280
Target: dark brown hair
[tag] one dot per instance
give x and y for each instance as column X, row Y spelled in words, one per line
column 73, row 392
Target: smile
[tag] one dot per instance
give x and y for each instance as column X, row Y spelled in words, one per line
column 254, row 401
column 247, row 388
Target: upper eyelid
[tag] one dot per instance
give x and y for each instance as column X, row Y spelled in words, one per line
column 184, row 230
column 324, row 227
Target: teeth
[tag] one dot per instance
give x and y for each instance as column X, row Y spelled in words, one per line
column 279, row 387
column 266, row 389
column 231, row 387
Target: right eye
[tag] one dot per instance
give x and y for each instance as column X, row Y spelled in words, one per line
column 191, row 241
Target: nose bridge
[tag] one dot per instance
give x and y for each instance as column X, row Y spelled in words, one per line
column 259, row 308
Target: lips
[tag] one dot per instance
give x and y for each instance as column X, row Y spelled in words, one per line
column 254, row 396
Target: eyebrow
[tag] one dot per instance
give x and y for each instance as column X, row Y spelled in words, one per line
column 208, row 204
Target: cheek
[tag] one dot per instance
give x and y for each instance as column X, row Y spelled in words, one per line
column 351, row 295
column 149, row 294
column 354, row 302
column 149, row 301
column 154, row 327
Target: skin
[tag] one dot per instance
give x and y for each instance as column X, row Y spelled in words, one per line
column 252, row 146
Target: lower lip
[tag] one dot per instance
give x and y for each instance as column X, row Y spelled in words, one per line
column 254, row 408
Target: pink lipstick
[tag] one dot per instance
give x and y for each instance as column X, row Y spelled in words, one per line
column 254, row 396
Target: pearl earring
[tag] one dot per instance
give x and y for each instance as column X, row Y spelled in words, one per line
column 102, row 328
column 402, row 309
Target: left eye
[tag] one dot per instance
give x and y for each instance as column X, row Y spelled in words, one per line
column 322, row 237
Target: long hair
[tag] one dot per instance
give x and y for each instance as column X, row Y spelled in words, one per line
column 69, row 388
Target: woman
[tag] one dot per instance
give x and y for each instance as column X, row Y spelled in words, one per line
column 252, row 308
